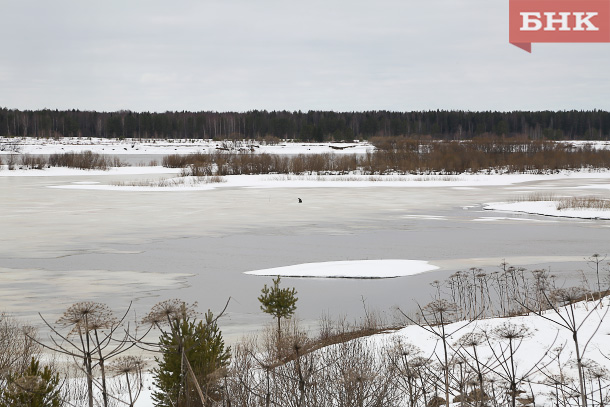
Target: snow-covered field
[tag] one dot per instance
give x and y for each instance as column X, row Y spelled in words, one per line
column 176, row 146
column 30, row 145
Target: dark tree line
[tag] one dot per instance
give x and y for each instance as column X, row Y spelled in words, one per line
column 307, row 126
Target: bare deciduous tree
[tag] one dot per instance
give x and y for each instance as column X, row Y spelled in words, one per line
column 17, row 345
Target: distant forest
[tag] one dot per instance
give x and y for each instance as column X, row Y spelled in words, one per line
column 307, row 126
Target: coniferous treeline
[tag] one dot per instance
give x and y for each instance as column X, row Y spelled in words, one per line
column 307, row 126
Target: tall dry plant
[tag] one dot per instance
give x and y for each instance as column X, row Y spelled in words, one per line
column 91, row 336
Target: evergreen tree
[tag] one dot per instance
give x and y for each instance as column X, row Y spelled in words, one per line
column 203, row 349
column 35, row 387
column 279, row 302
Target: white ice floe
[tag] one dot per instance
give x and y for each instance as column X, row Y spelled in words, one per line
column 350, row 269
column 503, row 218
column 424, row 217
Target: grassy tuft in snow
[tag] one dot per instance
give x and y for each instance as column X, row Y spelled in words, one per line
column 173, row 182
column 585, row 202
column 563, row 203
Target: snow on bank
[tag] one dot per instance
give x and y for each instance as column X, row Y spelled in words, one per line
column 350, row 269
column 547, row 208
column 176, row 146
column 329, row 181
column 68, row 172
column 353, row 180
column 547, row 350
column 136, row 146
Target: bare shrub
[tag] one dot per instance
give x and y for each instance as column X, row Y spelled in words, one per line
column 399, row 155
column 86, row 160
column 117, row 162
column 536, row 197
column 197, row 170
column 175, row 161
column 17, row 346
column 356, row 376
column 33, row 162
column 213, row 179
column 11, row 161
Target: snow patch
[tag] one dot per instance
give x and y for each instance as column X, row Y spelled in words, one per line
column 350, row 269
column 547, row 208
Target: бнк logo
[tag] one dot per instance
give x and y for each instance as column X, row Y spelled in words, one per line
column 558, row 21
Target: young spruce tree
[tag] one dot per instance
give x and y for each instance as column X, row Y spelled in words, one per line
column 36, row 387
column 201, row 345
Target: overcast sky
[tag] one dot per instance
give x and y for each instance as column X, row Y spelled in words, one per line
column 239, row 55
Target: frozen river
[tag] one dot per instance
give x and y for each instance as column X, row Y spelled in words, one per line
column 59, row 246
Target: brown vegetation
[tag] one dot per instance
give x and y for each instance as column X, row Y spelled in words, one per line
column 16, row 346
column 87, row 160
column 33, row 162
column 583, row 202
column 400, row 155
column 173, row 182
column 573, row 202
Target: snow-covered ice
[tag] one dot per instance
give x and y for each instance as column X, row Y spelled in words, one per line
column 350, row 269
column 68, row 172
column 548, row 208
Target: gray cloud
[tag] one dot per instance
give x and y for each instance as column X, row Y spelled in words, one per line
column 241, row 55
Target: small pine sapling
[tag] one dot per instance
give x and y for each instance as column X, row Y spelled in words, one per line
column 279, row 302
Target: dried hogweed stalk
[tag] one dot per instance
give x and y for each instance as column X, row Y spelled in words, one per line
column 165, row 312
column 88, row 316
